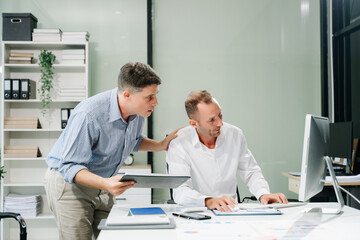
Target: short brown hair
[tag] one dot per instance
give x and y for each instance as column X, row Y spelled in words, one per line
column 134, row 76
column 195, row 98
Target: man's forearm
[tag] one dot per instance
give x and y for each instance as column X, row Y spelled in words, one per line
column 150, row 145
column 88, row 179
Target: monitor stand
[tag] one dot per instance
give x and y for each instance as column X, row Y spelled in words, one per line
column 339, row 197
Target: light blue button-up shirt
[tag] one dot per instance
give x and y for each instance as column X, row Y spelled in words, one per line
column 96, row 138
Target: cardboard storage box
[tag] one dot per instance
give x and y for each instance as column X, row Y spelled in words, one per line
column 18, row 26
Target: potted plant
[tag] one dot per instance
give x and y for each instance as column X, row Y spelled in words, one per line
column 46, row 61
column 2, row 171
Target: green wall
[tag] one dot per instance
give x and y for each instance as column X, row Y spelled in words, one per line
column 261, row 60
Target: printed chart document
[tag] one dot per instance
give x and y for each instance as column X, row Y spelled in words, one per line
column 215, row 230
column 254, row 211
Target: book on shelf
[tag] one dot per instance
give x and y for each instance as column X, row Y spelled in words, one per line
column 73, row 61
column 73, row 57
column 21, row 123
column 80, row 33
column 21, row 58
column 14, row 53
column 12, row 151
column 47, row 30
column 75, row 36
column 73, row 52
column 75, row 39
column 46, row 38
column 20, row 61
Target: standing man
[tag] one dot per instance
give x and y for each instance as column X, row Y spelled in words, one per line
column 102, row 131
column 213, row 152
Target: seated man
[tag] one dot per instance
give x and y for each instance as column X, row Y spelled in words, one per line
column 212, row 152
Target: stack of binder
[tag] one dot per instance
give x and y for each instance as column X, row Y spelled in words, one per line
column 19, row 89
column 46, row 35
column 27, row 206
column 21, row 152
column 75, row 36
column 21, row 123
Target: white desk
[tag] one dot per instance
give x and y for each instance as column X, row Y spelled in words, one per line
column 293, row 224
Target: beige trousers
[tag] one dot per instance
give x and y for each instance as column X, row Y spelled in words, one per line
column 77, row 209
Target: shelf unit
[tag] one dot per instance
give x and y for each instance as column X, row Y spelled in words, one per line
column 26, row 175
column 135, row 196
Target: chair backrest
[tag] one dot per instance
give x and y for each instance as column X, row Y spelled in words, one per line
column 171, row 200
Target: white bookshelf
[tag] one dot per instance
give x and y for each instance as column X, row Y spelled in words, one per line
column 26, row 175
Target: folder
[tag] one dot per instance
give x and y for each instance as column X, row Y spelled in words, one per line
column 15, row 89
column 104, row 226
column 7, row 88
column 147, row 211
column 27, row 89
column 64, row 117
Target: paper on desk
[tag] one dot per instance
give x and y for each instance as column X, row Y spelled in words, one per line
column 298, row 229
column 250, row 211
column 355, row 178
column 214, row 230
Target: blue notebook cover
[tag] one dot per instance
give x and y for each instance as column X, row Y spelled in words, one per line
column 146, row 211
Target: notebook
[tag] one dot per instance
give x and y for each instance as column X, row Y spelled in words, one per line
column 147, row 211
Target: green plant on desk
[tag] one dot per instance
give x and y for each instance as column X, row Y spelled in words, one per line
column 46, row 61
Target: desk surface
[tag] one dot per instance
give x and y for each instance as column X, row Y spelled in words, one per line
column 293, row 224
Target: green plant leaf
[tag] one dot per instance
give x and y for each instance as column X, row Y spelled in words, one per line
column 46, row 61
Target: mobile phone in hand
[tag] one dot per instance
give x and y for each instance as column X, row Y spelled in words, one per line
column 195, row 216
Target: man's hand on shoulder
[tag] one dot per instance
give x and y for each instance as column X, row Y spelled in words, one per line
column 165, row 143
column 221, row 203
column 273, row 198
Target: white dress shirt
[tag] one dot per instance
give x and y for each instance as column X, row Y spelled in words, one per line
column 213, row 171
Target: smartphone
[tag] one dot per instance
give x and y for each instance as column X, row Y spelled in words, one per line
column 195, row 216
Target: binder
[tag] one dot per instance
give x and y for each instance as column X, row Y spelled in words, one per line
column 7, row 89
column 15, row 89
column 27, row 89
column 70, row 111
column 64, row 117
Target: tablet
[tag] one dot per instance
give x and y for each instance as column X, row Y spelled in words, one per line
column 155, row 180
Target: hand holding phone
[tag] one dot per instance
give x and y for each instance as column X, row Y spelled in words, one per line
column 195, row 216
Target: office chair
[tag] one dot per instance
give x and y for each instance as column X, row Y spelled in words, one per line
column 19, row 218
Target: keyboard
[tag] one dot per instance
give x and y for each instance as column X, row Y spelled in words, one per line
column 273, row 205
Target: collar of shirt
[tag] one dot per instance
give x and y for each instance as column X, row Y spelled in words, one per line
column 196, row 141
column 115, row 113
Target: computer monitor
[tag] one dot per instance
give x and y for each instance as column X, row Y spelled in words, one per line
column 315, row 159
